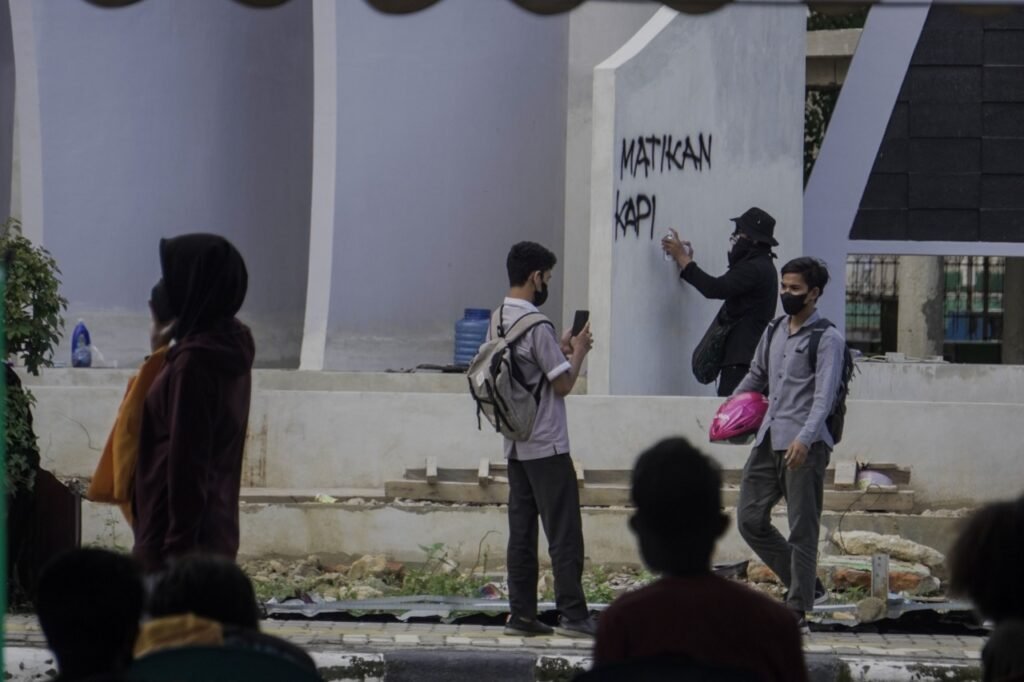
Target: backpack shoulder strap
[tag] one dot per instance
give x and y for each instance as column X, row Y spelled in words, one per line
column 497, row 328
column 772, row 326
column 523, row 325
column 817, row 330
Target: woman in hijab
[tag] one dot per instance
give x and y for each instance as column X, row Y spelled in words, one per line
column 196, row 413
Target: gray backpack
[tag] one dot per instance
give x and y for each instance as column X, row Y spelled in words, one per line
column 496, row 382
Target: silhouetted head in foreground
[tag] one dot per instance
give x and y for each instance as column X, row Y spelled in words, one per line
column 208, row 586
column 677, row 492
column 985, row 563
column 89, row 602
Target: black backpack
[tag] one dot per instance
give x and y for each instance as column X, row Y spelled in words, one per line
column 837, row 417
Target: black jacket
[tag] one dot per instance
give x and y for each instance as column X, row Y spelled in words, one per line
column 189, row 470
column 750, row 289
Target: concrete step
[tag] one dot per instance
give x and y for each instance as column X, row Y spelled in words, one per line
column 292, row 523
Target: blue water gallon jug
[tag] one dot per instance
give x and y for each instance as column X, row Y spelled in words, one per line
column 470, row 333
column 81, row 346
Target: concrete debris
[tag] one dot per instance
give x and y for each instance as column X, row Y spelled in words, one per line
column 842, row 573
column 493, row 591
column 621, row 583
column 360, row 592
column 870, row 610
column 546, row 583
column 368, row 566
column 864, row 543
column 307, row 568
column 854, row 572
column 758, row 572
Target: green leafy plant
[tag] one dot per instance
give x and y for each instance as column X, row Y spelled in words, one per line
column 33, row 313
column 853, row 17
column 850, row 595
column 596, row 587
column 440, row 575
column 33, row 306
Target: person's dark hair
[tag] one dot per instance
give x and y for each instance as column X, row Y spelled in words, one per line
column 208, row 586
column 525, row 258
column 813, row 270
column 986, row 560
column 89, row 602
column 677, row 492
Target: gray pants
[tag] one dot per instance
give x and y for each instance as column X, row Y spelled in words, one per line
column 766, row 480
column 546, row 488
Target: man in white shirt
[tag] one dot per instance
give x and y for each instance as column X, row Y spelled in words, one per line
column 542, row 480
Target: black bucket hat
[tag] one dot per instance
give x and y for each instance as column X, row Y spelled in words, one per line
column 757, row 225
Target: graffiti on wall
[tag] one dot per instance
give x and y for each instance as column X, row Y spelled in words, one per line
column 643, row 157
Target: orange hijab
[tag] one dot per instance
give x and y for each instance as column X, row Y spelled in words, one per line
column 115, row 472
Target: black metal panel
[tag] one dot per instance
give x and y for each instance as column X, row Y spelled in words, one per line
column 892, row 156
column 1003, row 119
column 885, row 190
column 1002, row 191
column 1004, row 84
column 945, row 155
column 945, row 84
column 949, row 47
column 871, row 224
column 936, row 191
column 1003, row 155
column 1002, row 226
column 951, row 164
column 1004, row 48
column 944, row 120
column 939, row 225
column 899, row 122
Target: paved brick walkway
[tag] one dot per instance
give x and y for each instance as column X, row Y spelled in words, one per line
column 365, row 637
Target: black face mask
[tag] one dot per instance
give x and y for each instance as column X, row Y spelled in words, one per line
column 540, row 296
column 793, row 303
column 739, row 250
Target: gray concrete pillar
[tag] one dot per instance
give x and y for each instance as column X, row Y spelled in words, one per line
column 6, row 109
column 921, row 293
column 1013, row 312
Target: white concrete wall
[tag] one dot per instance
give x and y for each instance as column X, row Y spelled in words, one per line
column 734, row 79
column 928, row 381
column 450, row 148
column 960, row 453
column 174, row 116
column 596, row 31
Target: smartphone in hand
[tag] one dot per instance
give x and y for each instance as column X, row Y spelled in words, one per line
column 579, row 322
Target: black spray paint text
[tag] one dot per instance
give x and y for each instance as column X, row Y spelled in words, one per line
column 663, row 153
column 634, row 212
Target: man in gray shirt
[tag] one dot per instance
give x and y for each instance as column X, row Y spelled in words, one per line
column 541, row 476
column 793, row 445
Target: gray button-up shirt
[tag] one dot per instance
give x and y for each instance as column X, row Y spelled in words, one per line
column 540, row 357
column 799, row 401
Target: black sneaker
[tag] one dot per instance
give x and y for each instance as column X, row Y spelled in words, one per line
column 522, row 627
column 820, row 593
column 585, row 627
column 801, row 624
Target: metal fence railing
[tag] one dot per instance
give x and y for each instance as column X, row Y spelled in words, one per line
column 972, row 301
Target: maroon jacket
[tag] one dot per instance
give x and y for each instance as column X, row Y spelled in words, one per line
column 189, row 469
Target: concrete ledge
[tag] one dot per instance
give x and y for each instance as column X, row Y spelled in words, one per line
column 314, row 439
column 343, row 530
